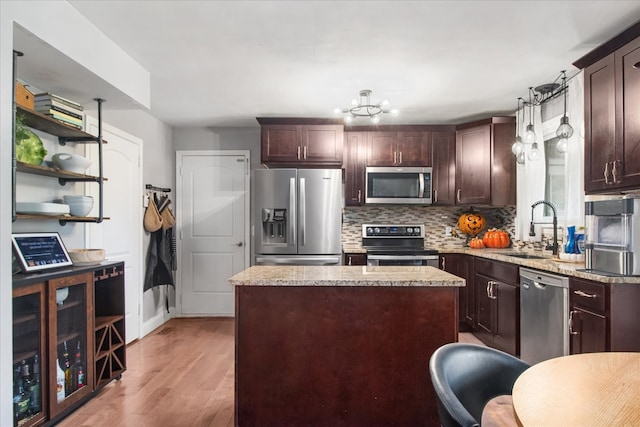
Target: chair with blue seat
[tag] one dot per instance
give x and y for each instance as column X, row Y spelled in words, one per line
column 466, row 377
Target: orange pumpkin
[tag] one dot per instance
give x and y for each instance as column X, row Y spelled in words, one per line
column 476, row 243
column 471, row 223
column 495, row 238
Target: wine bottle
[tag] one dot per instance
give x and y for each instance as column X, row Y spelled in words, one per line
column 25, row 372
column 78, row 370
column 68, row 384
column 60, row 381
column 36, row 397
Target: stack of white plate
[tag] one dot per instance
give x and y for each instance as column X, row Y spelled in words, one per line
column 33, row 208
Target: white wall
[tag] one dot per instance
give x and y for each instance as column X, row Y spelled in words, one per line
column 59, row 24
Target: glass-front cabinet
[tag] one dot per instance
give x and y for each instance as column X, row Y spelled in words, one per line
column 29, row 386
column 71, row 342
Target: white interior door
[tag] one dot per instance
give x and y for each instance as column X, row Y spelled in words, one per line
column 212, row 213
column 121, row 234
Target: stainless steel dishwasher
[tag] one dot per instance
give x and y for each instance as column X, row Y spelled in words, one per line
column 544, row 310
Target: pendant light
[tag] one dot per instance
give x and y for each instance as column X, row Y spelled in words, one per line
column 565, row 130
column 530, row 134
column 518, row 146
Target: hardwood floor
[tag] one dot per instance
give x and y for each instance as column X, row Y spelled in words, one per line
column 182, row 375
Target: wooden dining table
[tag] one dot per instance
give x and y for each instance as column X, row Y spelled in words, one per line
column 591, row 389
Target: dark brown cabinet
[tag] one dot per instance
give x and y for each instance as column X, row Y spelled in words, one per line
column 612, row 121
column 401, row 148
column 485, row 167
column 69, row 332
column 30, row 406
column 302, row 144
column 443, row 149
column 603, row 317
column 355, row 156
column 355, row 259
column 70, row 340
column 460, row 265
column 497, row 295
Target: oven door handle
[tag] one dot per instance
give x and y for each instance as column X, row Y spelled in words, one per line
column 401, row 257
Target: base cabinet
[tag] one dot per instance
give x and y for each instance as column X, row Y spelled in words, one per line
column 460, row 265
column 60, row 358
column 355, row 259
column 30, row 406
column 497, row 298
column 603, row 316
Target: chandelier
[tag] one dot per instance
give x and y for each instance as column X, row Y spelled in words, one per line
column 538, row 96
column 365, row 108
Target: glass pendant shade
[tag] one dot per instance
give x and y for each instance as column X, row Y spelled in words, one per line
column 375, row 119
column 520, row 158
column 517, row 147
column 348, row 119
column 534, row 153
column 394, row 112
column 529, row 135
column 564, row 130
column 562, row 145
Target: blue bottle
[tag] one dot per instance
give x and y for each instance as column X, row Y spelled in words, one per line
column 570, row 247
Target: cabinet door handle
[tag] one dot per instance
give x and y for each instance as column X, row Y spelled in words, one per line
column 488, row 290
column 305, row 153
column 400, row 161
column 359, row 196
column 395, row 157
column 458, row 195
column 494, row 293
column 571, row 330
column 606, row 173
column 444, row 263
column 298, row 152
column 584, row 294
column 435, row 196
column 614, row 171
column 349, row 260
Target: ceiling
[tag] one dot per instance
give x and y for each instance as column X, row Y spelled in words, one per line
column 223, row 63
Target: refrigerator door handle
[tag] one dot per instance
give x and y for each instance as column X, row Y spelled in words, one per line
column 302, row 210
column 292, row 212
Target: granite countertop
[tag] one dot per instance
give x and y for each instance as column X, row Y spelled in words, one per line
column 545, row 263
column 345, row 276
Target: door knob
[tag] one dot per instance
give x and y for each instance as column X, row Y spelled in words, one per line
column 238, row 244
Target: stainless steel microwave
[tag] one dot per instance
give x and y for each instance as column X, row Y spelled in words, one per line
column 398, row 185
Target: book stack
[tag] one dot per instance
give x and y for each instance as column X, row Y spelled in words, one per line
column 61, row 109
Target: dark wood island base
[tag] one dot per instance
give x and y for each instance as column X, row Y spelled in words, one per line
column 339, row 355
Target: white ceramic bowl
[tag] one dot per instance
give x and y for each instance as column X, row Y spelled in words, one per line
column 61, row 295
column 86, row 256
column 79, row 205
column 71, row 162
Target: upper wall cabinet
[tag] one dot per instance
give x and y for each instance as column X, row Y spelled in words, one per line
column 612, row 118
column 290, row 142
column 443, row 148
column 485, row 168
column 354, row 167
column 402, row 148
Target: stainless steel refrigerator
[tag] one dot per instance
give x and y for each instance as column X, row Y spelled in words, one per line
column 297, row 216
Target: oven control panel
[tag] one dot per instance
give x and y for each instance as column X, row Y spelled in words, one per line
column 390, row 230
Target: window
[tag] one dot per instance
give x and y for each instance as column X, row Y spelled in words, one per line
column 554, row 187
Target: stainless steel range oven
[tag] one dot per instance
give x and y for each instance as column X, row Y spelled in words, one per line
column 393, row 244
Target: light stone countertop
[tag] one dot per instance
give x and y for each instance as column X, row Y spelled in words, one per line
column 545, row 264
column 345, row 276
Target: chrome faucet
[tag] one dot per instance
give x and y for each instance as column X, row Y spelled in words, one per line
column 532, row 230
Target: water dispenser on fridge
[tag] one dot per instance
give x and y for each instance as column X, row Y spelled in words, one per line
column 613, row 235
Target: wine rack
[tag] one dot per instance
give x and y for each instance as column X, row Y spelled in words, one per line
column 109, row 349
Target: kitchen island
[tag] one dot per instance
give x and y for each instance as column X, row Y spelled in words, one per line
column 340, row 345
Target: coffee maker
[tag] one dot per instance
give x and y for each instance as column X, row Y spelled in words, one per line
column 613, row 234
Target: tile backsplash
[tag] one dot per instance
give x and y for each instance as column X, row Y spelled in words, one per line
column 435, row 219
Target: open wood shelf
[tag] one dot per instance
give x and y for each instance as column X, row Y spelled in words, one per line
column 46, row 124
column 55, row 173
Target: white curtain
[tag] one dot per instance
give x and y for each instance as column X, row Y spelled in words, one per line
column 574, row 158
column 530, row 177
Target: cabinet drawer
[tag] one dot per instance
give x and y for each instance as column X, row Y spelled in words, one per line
column 504, row 272
column 587, row 294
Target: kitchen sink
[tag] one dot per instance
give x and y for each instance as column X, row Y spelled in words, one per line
column 527, row 256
